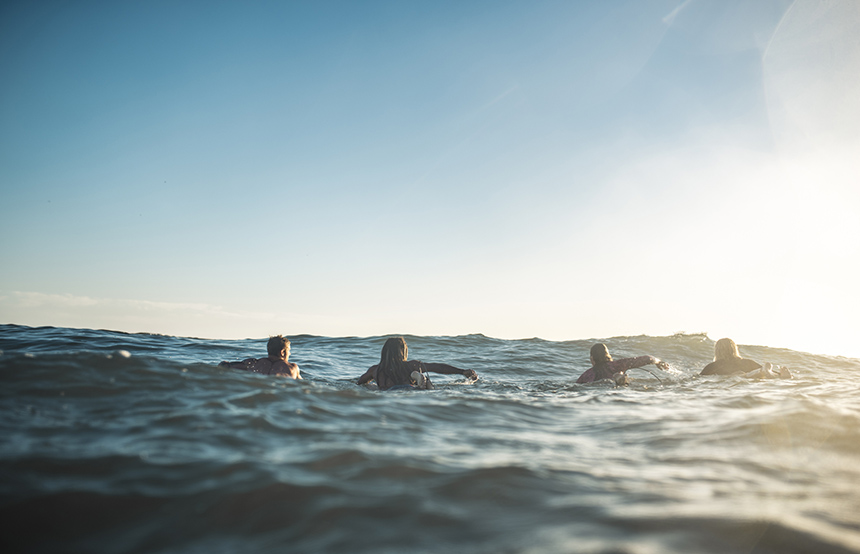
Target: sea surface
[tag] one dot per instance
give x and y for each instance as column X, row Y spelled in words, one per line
column 116, row 442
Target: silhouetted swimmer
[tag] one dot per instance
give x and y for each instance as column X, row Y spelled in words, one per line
column 604, row 367
column 277, row 362
column 395, row 371
column 728, row 361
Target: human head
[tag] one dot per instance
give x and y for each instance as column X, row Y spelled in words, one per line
column 276, row 345
column 394, row 351
column 725, row 349
column 600, row 354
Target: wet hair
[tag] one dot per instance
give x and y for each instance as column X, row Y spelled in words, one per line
column 600, row 355
column 725, row 349
column 392, row 364
column 276, row 344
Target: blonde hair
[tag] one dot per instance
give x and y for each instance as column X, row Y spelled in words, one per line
column 725, row 349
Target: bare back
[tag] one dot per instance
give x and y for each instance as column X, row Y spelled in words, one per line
column 266, row 366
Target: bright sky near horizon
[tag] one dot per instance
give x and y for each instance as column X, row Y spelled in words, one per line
column 566, row 170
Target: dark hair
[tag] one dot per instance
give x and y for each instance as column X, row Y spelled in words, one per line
column 392, row 364
column 600, row 355
column 276, row 344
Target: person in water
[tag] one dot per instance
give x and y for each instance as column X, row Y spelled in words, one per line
column 604, row 367
column 277, row 362
column 394, row 370
column 728, row 361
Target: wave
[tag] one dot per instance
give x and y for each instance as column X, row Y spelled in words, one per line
column 133, row 442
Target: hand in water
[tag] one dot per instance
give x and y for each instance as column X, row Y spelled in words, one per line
column 662, row 365
column 470, row 374
column 777, row 371
column 421, row 381
column 621, row 379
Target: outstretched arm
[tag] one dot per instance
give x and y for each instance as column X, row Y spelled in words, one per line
column 244, row 364
column 368, row 376
column 446, row 369
column 630, row 363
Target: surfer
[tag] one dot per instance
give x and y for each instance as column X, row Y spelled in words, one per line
column 604, row 367
column 277, row 362
column 394, row 371
column 728, row 361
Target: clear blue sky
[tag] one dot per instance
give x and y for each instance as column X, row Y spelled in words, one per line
column 555, row 169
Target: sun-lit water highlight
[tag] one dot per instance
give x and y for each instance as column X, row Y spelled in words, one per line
column 158, row 450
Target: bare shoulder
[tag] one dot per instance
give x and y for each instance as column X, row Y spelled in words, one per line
column 710, row 369
column 368, row 375
column 288, row 369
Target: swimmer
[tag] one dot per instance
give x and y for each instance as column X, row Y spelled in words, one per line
column 728, row 361
column 276, row 363
column 604, row 367
column 393, row 370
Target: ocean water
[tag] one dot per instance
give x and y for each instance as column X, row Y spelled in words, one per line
column 115, row 442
